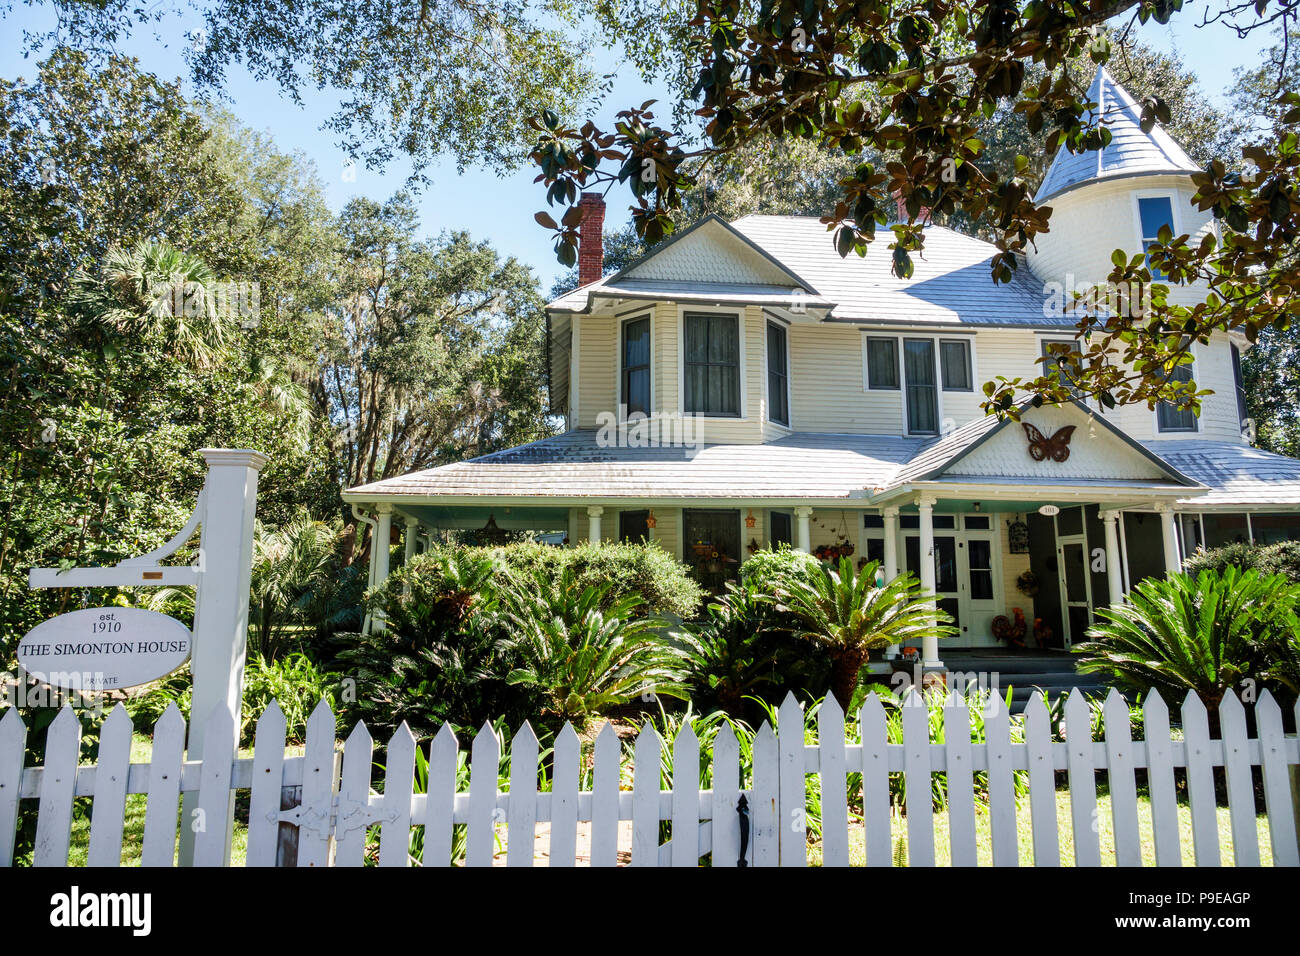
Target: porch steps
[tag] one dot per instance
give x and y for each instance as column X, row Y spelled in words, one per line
column 1052, row 672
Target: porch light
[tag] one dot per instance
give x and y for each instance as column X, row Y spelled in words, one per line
column 1018, row 537
column 749, row 519
column 650, row 520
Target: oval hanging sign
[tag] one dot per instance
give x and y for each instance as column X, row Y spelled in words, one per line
column 104, row 648
column 1048, row 511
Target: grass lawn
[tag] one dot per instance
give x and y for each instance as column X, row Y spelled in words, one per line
column 1024, row 835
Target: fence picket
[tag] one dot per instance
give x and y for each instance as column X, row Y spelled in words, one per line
column 961, row 782
column 317, row 806
column 1120, row 764
column 645, row 798
column 109, row 809
column 399, row 781
column 792, row 823
column 726, row 796
column 765, row 807
column 919, row 798
column 13, row 745
column 1200, row 781
column 833, row 770
column 58, row 784
column 484, row 768
column 604, row 798
column 1001, row 780
column 521, row 809
column 268, row 782
column 875, row 783
column 564, row 797
column 1042, row 782
column 1241, row 791
column 212, row 825
column 1278, row 799
column 1083, row 780
column 440, row 798
column 354, row 798
column 686, row 798
column 1160, row 780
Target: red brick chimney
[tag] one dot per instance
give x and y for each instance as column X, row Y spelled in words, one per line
column 591, row 239
column 922, row 215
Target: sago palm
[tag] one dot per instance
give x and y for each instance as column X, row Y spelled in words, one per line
column 582, row 659
column 849, row 615
column 1205, row 633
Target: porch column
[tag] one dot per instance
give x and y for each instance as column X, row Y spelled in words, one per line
column 1114, row 568
column 593, row 523
column 803, row 531
column 891, row 543
column 1169, row 534
column 891, row 559
column 930, row 644
column 409, row 541
column 380, row 547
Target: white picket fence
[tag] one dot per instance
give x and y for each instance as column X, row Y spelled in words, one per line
column 338, row 806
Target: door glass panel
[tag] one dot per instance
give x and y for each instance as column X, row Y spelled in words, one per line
column 945, row 564
column 980, row 556
column 1076, row 573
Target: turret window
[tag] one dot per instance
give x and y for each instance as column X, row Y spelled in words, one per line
column 1154, row 214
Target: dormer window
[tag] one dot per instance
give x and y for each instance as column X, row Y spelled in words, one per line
column 1154, row 213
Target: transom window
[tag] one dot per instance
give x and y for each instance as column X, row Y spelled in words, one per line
column 712, row 364
column 636, row 366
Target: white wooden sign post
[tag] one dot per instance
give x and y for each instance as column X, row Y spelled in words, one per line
column 221, row 576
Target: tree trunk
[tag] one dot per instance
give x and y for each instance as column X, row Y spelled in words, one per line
column 845, row 665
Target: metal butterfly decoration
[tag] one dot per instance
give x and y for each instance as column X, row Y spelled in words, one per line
column 1041, row 447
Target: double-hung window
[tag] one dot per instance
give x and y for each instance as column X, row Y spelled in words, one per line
column 712, row 364
column 922, row 393
column 778, row 375
column 1057, row 367
column 1154, row 213
column 636, row 366
column 1175, row 418
column 954, row 365
column 882, row 363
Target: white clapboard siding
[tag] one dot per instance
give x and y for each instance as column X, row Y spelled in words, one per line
column 109, row 810
column 339, row 816
column 13, row 745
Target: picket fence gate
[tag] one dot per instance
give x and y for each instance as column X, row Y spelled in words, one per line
column 766, row 828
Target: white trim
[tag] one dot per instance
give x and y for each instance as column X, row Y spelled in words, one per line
column 575, row 368
column 620, row 325
column 739, row 313
column 935, row 338
column 1167, row 193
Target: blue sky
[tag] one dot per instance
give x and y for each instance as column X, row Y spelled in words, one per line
column 487, row 205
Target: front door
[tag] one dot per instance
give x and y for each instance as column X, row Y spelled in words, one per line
column 946, row 573
column 1076, row 587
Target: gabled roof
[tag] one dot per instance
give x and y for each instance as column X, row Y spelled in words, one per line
column 710, row 259
column 1131, row 152
column 944, row 459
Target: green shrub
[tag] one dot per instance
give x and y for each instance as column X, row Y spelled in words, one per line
column 648, row 571
column 1281, row 558
column 766, row 568
column 1206, row 633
